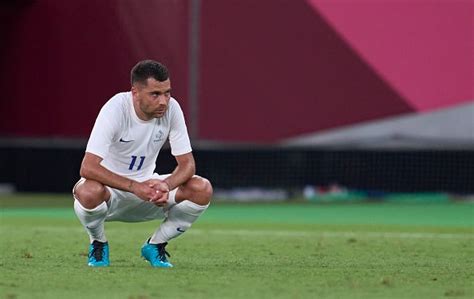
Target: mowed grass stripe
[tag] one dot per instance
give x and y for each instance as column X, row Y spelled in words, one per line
column 329, row 234
column 284, row 233
column 446, row 215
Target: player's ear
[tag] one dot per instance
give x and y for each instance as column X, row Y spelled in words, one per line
column 134, row 90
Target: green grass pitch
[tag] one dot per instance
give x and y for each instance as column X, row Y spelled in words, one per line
column 379, row 250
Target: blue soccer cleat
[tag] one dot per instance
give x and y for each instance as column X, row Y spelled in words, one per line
column 99, row 254
column 156, row 255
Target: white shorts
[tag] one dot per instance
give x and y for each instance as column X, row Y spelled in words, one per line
column 127, row 207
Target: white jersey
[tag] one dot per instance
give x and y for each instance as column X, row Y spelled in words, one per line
column 128, row 145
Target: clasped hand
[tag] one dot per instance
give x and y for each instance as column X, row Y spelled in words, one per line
column 153, row 190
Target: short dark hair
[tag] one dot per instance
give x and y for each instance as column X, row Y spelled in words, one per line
column 148, row 69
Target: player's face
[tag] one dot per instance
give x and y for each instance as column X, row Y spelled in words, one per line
column 152, row 99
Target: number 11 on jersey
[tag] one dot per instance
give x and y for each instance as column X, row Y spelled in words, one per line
column 134, row 159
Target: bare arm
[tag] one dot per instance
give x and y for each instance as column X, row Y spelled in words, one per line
column 183, row 172
column 92, row 170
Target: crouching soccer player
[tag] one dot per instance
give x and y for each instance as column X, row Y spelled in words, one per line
column 118, row 182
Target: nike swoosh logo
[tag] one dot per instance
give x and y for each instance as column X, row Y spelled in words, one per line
column 122, row 140
column 180, row 230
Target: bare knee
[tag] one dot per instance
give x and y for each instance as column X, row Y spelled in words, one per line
column 205, row 188
column 91, row 193
column 198, row 190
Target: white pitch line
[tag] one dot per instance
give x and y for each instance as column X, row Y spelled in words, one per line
column 401, row 235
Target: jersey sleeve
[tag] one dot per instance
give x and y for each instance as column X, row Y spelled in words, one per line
column 179, row 138
column 105, row 130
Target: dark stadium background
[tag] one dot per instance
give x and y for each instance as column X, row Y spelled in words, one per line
column 277, row 94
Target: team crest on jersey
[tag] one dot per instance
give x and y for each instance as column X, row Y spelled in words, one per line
column 158, row 136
